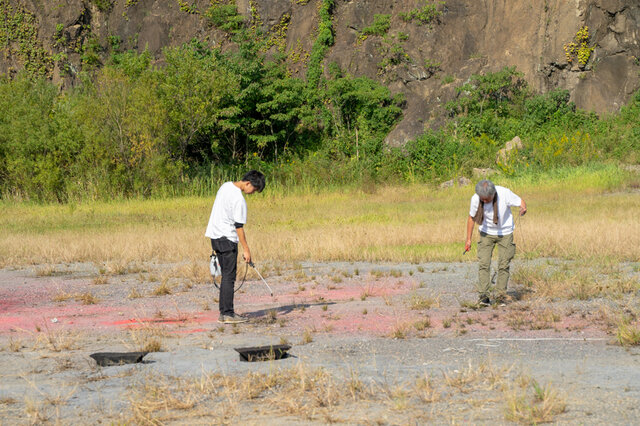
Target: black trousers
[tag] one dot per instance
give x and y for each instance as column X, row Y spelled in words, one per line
column 227, row 252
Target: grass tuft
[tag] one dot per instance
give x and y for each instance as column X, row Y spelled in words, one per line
column 627, row 334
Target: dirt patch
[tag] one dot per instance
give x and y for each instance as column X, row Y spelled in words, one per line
column 381, row 327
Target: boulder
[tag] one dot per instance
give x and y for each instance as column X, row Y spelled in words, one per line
column 483, row 173
column 504, row 153
column 459, row 181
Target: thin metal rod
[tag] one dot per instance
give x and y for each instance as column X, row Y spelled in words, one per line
column 260, row 275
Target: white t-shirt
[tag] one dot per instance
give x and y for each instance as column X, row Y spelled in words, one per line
column 506, row 200
column 228, row 209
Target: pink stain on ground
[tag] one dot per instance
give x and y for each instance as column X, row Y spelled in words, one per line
column 354, row 306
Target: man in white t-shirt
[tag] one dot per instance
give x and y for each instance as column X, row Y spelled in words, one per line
column 495, row 229
column 226, row 229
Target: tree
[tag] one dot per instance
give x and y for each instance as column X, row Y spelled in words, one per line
column 193, row 89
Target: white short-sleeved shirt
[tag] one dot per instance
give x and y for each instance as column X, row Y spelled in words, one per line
column 228, row 209
column 506, row 200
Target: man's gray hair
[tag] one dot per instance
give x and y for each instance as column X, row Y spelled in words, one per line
column 485, row 189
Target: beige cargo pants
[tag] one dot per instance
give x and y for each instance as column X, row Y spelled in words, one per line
column 506, row 252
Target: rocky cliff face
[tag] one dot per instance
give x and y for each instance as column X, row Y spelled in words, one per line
column 424, row 61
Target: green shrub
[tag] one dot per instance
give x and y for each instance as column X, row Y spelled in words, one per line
column 225, row 17
column 134, row 129
column 39, row 141
column 380, row 26
column 103, row 5
column 91, row 49
column 425, row 15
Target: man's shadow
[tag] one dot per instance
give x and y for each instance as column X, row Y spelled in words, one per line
column 285, row 309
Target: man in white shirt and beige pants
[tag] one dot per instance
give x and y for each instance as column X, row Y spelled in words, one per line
column 495, row 229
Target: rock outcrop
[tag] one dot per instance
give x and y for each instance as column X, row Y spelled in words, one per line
column 425, row 62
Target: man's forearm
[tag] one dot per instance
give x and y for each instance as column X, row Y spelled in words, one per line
column 242, row 239
column 470, row 224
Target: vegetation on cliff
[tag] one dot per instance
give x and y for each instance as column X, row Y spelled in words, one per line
column 131, row 128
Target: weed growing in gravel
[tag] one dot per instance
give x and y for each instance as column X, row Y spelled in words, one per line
column 163, row 289
column 422, row 324
column 147, row 338
column 307, row 337
column 86, row 299
column 627, row 334
column 473, row 376
column 58, row 340
column 116, row 267
column 377, row 273
column 100, row 280
column 134, row 294
column 15, row 344
column 399, row 331
column 45, row 271
column 536, row 404
column 467, row 304
column 62, row 296
column 272, row 316
column 425, row 390
column 366, row 292
column 418, row 302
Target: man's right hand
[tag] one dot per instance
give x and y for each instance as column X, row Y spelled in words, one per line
column 246, row 255
column 467, row 246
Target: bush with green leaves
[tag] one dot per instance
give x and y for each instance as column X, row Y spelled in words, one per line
column 225, row 16
column 425, row 15
column 38, row 139
column 380, row 26
column 133, row 128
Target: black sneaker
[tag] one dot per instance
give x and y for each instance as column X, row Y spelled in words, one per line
column 484, row 301
column 231, row 319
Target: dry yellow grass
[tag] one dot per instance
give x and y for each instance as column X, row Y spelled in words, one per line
column 146, row 338
column 308, row 394
column 573, row 281
column 57, row 340
column 410, row 223
column 537, row 404
column 419, row 302
column 627, row 334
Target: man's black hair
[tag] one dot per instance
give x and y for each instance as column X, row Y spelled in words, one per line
column 256, row 179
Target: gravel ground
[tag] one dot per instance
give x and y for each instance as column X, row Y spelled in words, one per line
column 386, row 324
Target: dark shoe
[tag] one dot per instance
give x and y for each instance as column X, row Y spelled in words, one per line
column 231, row 319
column 484, row 301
